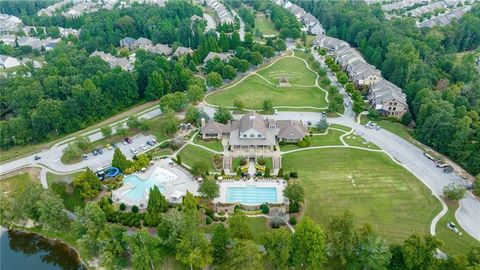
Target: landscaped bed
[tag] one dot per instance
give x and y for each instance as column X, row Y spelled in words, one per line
column 368, row 184
column 254, row 90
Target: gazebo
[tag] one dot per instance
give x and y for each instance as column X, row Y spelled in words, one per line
column 283, row 81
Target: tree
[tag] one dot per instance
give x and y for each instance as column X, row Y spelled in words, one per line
column 267, row 105
column 229, row 73
column 82, row 142
column 220, row 241
column 238, row 104
column 88, row 183
column 209, row 189
column 256, row 58
column 174, row 102
column 51, row 212
column 192, row 114
column 106, row 131
column 171, row 227
column 322, row 125
column 371, row 251
column 454, row 191
column 245, row 255
column 294, row 192
column 71, row 152
column 170, row 123
column 476, row 186
column 214, row 79
column 308, row 245
column 199, row 168
column 222, row 115
column 157, row 204
column 267, row 171
column 278, row 246
column 155, row 87
column 419, row 254
column 341, row 238
column 113, row 249
column 239, row 227
column 120, row 161
column 144, row 250
column 193, row 249
column 195, row 93
column 88, row 224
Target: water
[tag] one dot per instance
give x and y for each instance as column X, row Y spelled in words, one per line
column 141, row 186
column 21, row 250
column 252, row 195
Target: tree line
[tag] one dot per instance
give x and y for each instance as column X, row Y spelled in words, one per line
column 442, row 88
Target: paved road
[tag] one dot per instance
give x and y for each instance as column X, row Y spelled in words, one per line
column 241, row 31
column 211, row 25
column 51, row 157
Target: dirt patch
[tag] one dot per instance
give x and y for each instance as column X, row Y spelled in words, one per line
column 32, row 171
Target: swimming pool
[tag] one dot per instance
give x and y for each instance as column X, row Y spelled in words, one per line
column 141, row 187
column 252, row 195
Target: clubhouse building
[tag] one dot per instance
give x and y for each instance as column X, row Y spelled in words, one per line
column 253, row 131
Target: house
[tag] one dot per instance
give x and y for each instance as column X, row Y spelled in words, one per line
column 182, row 51
column 33, row 42
column 159, row 49
column 127, row 42
column 224, row 57
column 388, row 99
column 9, row 39
column 126, row 64
column 65, row 32
column 8, row 62
column 142, row 43
column 317, row 29
column 252, row 131
column 9, row 24
column 35, row 63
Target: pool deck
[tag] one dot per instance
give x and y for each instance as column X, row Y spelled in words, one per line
column 183, row 183
column 278, row 184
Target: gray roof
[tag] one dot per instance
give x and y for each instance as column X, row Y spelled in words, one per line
column 181, row 51
column 160, row 49
column 127, row 41
column 291, row 130
column 142, row 41
column 254, row 121
column 221, row 56
column 213, row 127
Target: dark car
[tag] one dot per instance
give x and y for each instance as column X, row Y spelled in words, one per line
column 448, row 169
column 114, row 145
column 100, row 151
column 128, row 140
column 94, row 152
column 36, row 157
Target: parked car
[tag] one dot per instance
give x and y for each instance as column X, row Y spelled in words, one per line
column 448, row 169
column 429, row 156
column 378, row 127
column 143, row 147
column 36, row 157
column 442, row 165
column 150, row 142
column 452, row 227
column 114, row 145
column 124, row 142
column 108, row 146
column 100, row 151
column 94, row 152
column 128, row 140
column 85, row 157
column 133, row 151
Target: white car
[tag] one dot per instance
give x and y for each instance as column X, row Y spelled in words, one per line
column 143, row 147
column 133, row 151
column 124, row 142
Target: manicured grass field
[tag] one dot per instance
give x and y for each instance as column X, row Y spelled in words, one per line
column 15, row 183
column 192, row 153
column 371, row 185
column 294, row 68
column 215, row 145
column 254, row 90
column 337, row 126
column 454, row 244
column 354, row 140
column 265, row 25
column 259, row 227
column 61, row 184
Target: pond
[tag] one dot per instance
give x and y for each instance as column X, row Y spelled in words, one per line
column 20, row 250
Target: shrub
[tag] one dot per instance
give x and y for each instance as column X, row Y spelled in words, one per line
column 221, row 213
column 280, row 172
column 179, row 159
column 454, row 192
column 236, row 208
column 208, row 220
column 276, row 222
column 293, row 174
column 261, row 161
column 265, row 208
column 223, row 219
column 292, row 220
column 282, row 143
column 134, row 209
column 123, row 206
column 304, row 142
column 209, row 212
column 243, row 162
column 476, row 186
column 293, row 208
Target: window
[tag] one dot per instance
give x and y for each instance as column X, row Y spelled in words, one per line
column 259, row 135
column 389, row 108
column 244, row 135
column 390, row 103
column 394, row 108
column 252, row 135
column 395, row 103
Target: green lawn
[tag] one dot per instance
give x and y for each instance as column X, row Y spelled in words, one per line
column 369, row 184
column 215, row 145
column 454, row 244
column 192, row 153
column 156, row 128
column 294, row 68
column 331, row 138
column 337, row 126
column 60, row 184
column 259, row 227
column 254, row 90
column 354, row 140
column 265, row 25
column 15, row 183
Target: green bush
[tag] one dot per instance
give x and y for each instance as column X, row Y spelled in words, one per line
column 282, row 143
column 208, row 220
column 223, row 219
column 236, row 209
column 476, row 186
column 293, row 174
column 243, row 162
column 123, row 206
column 265, row 208
column 134, row 209
column 221, row 213
column 209, row 212
column 261, row 161
column 304, row 142
column 293, row 208
column 292, row 220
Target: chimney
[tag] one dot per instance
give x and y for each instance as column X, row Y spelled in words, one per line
column 202, row 122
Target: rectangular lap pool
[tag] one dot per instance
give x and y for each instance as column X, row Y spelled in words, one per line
column 252, row 195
